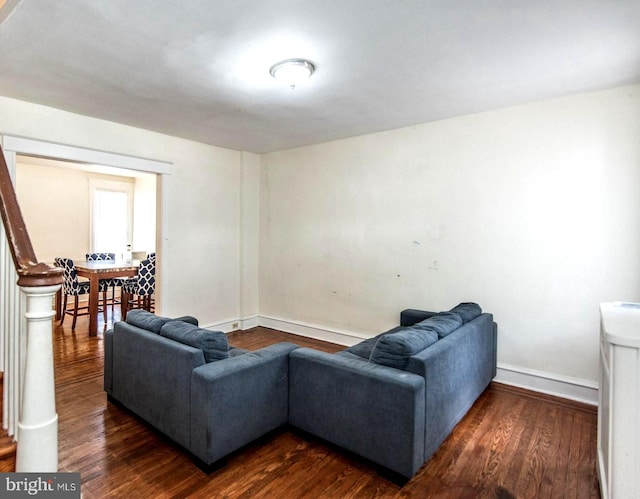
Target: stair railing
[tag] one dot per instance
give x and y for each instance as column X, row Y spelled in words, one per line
column 27, row 341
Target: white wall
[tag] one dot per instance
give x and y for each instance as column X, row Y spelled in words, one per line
column 55, row 206
column 202, row 216
column 531, row 211
column 144, row 214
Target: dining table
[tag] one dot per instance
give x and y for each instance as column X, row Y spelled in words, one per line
column 103, row 269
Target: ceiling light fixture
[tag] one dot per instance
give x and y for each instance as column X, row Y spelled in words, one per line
column 292, row 71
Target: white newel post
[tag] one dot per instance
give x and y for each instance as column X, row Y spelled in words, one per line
column 37, row 448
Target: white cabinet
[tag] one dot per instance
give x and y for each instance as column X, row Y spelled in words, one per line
column 619, row 401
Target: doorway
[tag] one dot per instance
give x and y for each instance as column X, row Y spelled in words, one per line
column 113, row 163
column 71, row 209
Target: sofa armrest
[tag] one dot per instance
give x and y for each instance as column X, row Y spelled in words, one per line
column 411, row 316
column 372, row 410
column 238, row 399
column 152, row 378
column 457, row 369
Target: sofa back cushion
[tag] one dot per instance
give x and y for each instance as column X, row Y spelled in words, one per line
column 394, row 349
column 467, row 311
column 443, row 323
column 363, row 349
column 213, row 344
column 152, row 322
column 146, row 320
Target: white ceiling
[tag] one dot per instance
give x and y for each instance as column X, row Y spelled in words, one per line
column 199, row 69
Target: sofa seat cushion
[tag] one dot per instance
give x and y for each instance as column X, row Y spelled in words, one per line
column 213, row 344
column 467, row 311
column 394, row 349
column 363, row 349
column 443, row 323
column 146, row 320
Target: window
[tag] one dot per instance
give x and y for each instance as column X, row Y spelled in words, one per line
column 111, row 216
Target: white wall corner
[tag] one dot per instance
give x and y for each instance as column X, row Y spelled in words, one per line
column 229, row 325
column 249, row 322
column 249, row 205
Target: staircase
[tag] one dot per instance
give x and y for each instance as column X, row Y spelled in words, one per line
column 29, row 435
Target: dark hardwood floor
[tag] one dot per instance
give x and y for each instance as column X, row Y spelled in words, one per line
column 513, row 443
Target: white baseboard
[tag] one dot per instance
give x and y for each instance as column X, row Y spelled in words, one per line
column 224, row 326
column 249, row 322
column 551, row 384
column 345, row 338
column 558, row 385
column 233, row 324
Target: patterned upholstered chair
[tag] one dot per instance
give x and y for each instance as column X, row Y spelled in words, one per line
column 137, row 292
column 152, row 256
column 111, row 284
column 100, row 257
column 72, row 287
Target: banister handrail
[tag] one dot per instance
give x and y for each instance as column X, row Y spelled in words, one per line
column 30, row 272
column 26, row 336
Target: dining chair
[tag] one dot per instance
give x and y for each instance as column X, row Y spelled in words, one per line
column 71, row 286
column 137, row 292
column 110, row 283
column 152, row 256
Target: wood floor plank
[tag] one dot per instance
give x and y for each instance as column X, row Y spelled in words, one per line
column 501, row 436
column 512, row 443
column 537, row 452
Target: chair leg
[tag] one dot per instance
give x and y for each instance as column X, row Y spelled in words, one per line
column 75, row 312
column 104, row 305
column 64, row 309
column 113, row 297
column 124, row 304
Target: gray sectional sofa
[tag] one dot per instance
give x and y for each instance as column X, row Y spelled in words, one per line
column 392, row 399
column 188, row 383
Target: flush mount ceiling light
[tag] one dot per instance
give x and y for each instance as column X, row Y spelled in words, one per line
column 292, row 71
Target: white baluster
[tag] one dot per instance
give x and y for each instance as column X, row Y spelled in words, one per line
column 38, row 424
